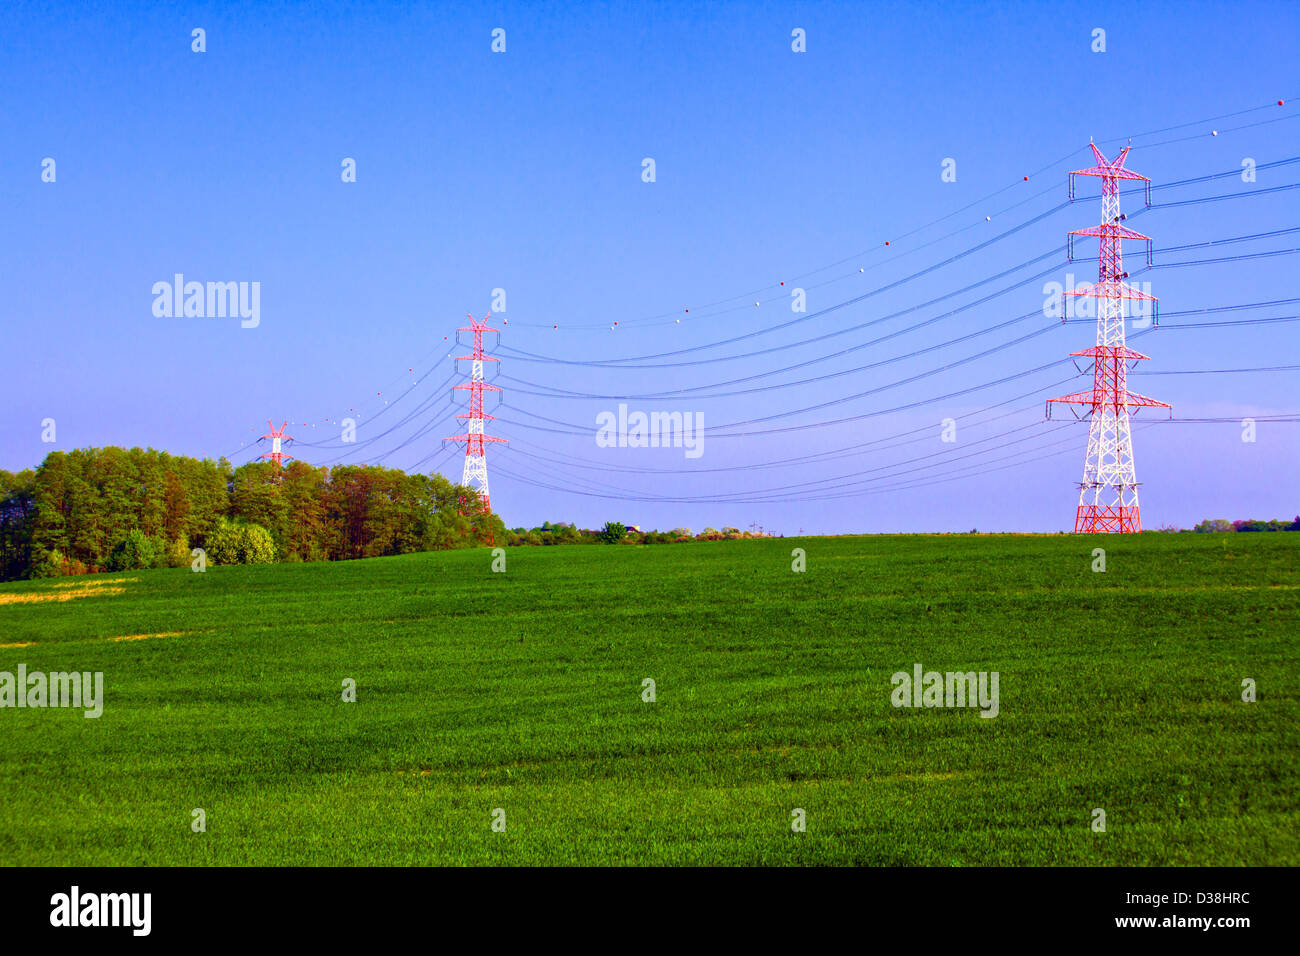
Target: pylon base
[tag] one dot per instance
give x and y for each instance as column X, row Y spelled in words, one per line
column 1107, row 519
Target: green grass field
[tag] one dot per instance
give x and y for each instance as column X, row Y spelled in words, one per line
column 523, row 691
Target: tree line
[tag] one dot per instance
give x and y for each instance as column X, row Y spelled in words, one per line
column 110, row 509
column 1253, row 524
column 615, row 532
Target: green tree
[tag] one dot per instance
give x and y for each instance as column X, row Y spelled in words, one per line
column 134, row 552
column 80, row 510
column 239, row 542
column 17, row 520
column 1213, row 525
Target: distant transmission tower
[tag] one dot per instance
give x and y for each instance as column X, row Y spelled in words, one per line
column 475, row 474
column 277, row 435
column 1108, row 494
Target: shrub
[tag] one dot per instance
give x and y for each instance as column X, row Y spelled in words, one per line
column 238, row 542
column 178, row 554
column 613, row 532
column 1214, row 525
column 133, row 553
column 258, row 546
column 47, row 564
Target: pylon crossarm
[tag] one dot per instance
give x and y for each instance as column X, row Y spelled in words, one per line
column 1099, row 397
column 1111, row 289
column 1115, row 231
column 1109, row 172
column 1134, row 400
column 1077, row 398
column 1109, row 351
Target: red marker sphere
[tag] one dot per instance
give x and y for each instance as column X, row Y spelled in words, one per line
column 1279, row 102
column 1026, row 179
column 886, row 242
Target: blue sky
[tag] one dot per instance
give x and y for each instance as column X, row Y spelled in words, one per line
column 522, row 171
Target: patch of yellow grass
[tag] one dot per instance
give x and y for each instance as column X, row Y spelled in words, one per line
column 91, row 582
column 145, row 637
column 19, row 644
column 65, row 595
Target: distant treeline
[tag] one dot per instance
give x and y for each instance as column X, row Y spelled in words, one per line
column 615, row 532
column 1223, row 524
column 117, row 509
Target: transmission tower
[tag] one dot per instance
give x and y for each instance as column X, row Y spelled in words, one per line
column 475, row 474
column 1108, row 494
column 277, row 435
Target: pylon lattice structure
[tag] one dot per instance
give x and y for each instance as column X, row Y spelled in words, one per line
column 277, row 436
column 475, row 474
column 1108, row 493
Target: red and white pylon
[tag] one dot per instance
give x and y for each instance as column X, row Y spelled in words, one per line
column 475, row 474
column 1108, row 493
column 277, row 435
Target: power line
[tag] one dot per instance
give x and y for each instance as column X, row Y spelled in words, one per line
column 521, row 355
column 682, row 394
column 650, row 319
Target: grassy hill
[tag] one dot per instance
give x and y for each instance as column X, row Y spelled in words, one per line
column 523, row 691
